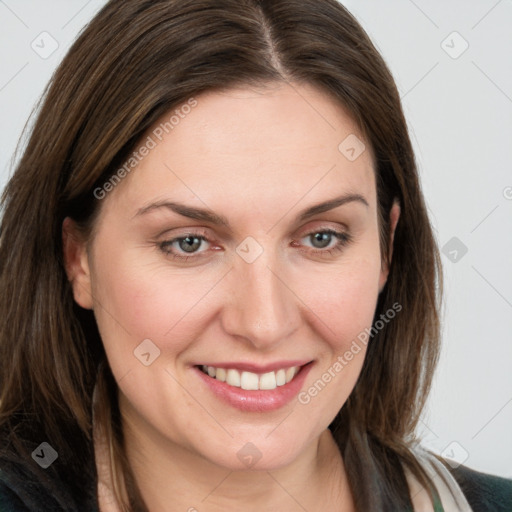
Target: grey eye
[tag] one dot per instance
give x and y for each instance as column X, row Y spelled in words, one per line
column 189, row 244
column 321, row 240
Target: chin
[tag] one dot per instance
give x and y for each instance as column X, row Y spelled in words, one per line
column 261, row 454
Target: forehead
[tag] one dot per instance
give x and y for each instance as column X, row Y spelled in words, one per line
column 265, row 145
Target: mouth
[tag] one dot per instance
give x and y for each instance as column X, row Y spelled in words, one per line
column 255, row 389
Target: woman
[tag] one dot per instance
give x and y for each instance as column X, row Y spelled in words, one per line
column 218, row 275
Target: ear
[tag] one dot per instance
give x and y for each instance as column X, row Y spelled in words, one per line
column 394, row 215
column 76, row 263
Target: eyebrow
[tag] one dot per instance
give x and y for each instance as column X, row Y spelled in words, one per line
column 207, row 215
column 331, row 204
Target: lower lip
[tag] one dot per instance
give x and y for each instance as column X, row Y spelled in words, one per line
column 256, row 400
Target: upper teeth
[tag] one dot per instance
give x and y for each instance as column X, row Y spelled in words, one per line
column 252, row 381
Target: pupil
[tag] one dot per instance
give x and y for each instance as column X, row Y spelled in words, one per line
column 321, row 240
column 190, row 244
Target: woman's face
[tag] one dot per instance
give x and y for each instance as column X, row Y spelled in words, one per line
column 246, row 241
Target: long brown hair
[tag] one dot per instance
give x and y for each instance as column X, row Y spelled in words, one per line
column 135, row 61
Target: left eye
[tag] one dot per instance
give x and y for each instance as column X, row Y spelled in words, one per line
column 320, row 240
column 326, row 239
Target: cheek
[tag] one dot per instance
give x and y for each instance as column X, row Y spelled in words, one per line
column 343, row 299
column 341, row 307
column 137, row 300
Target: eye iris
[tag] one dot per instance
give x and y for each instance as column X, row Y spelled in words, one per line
column 321, row 240
column 190, row 243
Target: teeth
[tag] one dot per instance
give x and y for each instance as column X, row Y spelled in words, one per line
column 249, row 381
column 221, row 374
column 252, row 381
column 290, row 373
column 268, row 381
column 233, row 378
column 281, row 377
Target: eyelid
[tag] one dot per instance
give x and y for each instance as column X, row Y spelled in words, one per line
column 319, row 225
column 173, row 233
column 331, row 231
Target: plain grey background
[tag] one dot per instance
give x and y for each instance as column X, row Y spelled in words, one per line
column 452, row 61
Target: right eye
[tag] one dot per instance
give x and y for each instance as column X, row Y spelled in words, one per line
column 185, row 247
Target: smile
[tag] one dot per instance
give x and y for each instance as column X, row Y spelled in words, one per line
column 252, row 381
column 254, row 388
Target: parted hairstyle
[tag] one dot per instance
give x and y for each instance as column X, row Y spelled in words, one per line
column 134, row 62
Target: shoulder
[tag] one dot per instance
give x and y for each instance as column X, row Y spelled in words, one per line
column 19, row 489
column 24, row 487
column 10, row 501
column 466, row 486
column 484, row 492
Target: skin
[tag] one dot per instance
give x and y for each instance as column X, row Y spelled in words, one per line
column 259, row 158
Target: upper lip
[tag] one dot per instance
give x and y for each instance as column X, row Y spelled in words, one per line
column 256, row 368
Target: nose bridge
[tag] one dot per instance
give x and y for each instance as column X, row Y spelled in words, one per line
column 261, row 309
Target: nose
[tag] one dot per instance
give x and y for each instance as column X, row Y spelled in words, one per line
column 260, row 307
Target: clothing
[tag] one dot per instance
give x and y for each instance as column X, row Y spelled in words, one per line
column 473, row 491
column 450, row 495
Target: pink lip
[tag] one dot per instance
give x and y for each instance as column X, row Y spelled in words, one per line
column 256, row 401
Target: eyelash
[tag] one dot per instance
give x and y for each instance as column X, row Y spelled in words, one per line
column 343, row 239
